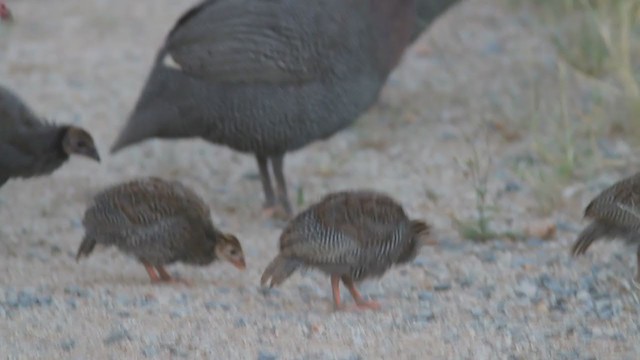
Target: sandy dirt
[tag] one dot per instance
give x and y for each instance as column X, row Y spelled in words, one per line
column 85, row 61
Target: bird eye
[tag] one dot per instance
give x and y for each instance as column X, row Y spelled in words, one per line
column 233, row 252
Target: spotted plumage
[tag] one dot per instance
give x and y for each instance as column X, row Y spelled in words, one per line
column 159, row 222
column 615, row 213
column 351, row 235
column 30, row 146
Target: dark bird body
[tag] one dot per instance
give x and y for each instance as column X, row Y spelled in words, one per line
column 350, row 236
column 269, row 77
column 615, row 214
column 158, row 222
column 32, row 147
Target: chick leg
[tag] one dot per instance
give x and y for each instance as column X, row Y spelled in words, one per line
column 360, row 302
column 281, row 183
column 166, row 277
column 335, row 287
column 152, row 272
column 270, row 200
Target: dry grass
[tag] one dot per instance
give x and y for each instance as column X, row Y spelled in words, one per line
column 593, row 97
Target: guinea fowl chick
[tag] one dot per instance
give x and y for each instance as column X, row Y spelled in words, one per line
column 615, row 213
column 270, row 77
column 159, row 222
column 350, row 236
column 32, row 147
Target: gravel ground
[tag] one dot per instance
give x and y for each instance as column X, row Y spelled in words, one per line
column 84, row 61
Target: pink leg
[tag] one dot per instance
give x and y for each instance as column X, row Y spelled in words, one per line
column 152, row 272
column 335, row 287
column 360, row 302
column 166, row 277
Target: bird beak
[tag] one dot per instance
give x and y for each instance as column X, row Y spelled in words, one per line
column 92, row 154
column 240, row 264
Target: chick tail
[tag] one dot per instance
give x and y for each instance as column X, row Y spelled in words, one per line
column 278, row 271
column 419, row 228
column 590, row 234
column 86, row 247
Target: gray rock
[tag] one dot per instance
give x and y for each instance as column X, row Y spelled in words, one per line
column 27, row 298
column 150, row 351
column 117, row 335
column 442, row 287
column 68, row 344
column 526, row 288
column 423, row 317
column 211, row 305
column 263, row 355
column 77, row 291
column 425, row 296
column 487, row 256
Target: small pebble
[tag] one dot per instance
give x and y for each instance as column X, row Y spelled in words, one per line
column 117, row 335
column 68, row 344
column 425, row 296
column 263, row 355
column 442, row 287
column 149, row 351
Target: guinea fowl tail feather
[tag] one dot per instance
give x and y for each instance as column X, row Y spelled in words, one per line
column 418, row 232
column 86, row 247
column 278, row 271
column 590, row 234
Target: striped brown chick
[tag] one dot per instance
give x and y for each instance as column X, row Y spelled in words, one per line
column 159, row 222
column 615, row 214
column 350, row 236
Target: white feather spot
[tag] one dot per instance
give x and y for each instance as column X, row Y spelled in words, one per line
column 169, row 62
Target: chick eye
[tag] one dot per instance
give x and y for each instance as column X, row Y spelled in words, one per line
column 233, row 252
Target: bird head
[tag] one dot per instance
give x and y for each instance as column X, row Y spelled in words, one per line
column 5, row 13
column 78, row 141
column 228, row 248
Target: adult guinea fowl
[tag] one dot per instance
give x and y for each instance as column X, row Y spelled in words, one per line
column 32, row 147
column 269, row 77
column 615, row 213
column 159, row 222
column 350, row 236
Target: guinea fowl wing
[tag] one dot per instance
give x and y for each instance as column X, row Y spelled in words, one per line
column 346, row 230
column 618, row 205
column 254, row 41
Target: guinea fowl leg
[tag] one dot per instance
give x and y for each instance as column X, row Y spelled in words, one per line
column 270, row 200
column 152, row 272
column 360, row 302
column 281, row 183
column 166, row 277
column 335, row 287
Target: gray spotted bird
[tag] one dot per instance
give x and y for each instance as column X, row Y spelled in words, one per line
column 614, row 214
column 158, row 222
column 350, row 236
column 269, row 77
column 30, row 146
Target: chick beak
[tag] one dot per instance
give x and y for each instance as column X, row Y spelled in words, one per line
column 93, row 154
column 240, row 264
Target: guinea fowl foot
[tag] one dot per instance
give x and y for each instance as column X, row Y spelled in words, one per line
column 361, row 304
column 165, row 277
